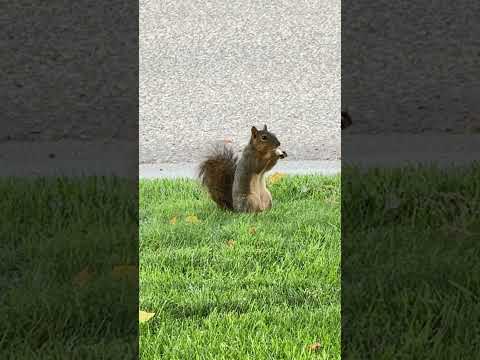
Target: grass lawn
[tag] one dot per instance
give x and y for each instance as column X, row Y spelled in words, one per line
column 240, row 286
column 410, row 263
column 50, row 230
column 237, row 286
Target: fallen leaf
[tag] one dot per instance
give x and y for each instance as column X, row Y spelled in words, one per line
column 144, row 316
column 173, row 220
column 129, row 272
column 314, row 347
column 231, row 243
column 252, row 230
column 276, row 177
column 83, row 277
column 192, row 219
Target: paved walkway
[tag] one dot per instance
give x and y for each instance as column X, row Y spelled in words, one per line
column 121, row 158
column 189, row 170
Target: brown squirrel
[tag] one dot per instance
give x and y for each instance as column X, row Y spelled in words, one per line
column 240, row 185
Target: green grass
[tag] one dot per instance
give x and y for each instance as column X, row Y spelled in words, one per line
column 410, row 269
column 51, row 229
column 269, row 296
column 410, row 283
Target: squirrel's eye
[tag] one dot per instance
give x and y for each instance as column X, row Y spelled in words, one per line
column 264, row 137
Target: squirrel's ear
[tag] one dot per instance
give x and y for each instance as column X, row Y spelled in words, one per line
column 265, row 127
column 254, row 131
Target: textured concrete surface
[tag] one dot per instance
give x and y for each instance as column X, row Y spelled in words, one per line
column 444, row 150
column 68, row 158
column 190, row 170
column 402, row 149
column 68, row 70
column 209, row 70
column 411, row 66
column 90, row 158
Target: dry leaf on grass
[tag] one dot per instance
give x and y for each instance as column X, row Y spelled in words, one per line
column 144, row 316
column 129, row 272
column 231, row 243
column 276, row 177
column 314, row 347
column 173, row 220
column 192, row 219
column 83, row 277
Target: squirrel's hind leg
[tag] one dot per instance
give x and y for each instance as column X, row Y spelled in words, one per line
column 266, row 199
column 270, row 200
column 265, row 195
column 250, row 203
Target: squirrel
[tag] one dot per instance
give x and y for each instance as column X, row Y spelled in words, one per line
column 240, row 185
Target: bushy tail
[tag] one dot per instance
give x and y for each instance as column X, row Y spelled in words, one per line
column 217, row 173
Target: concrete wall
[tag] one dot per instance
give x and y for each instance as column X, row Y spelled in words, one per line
column 209, row 70
column 411, row 66
column 68, row 74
